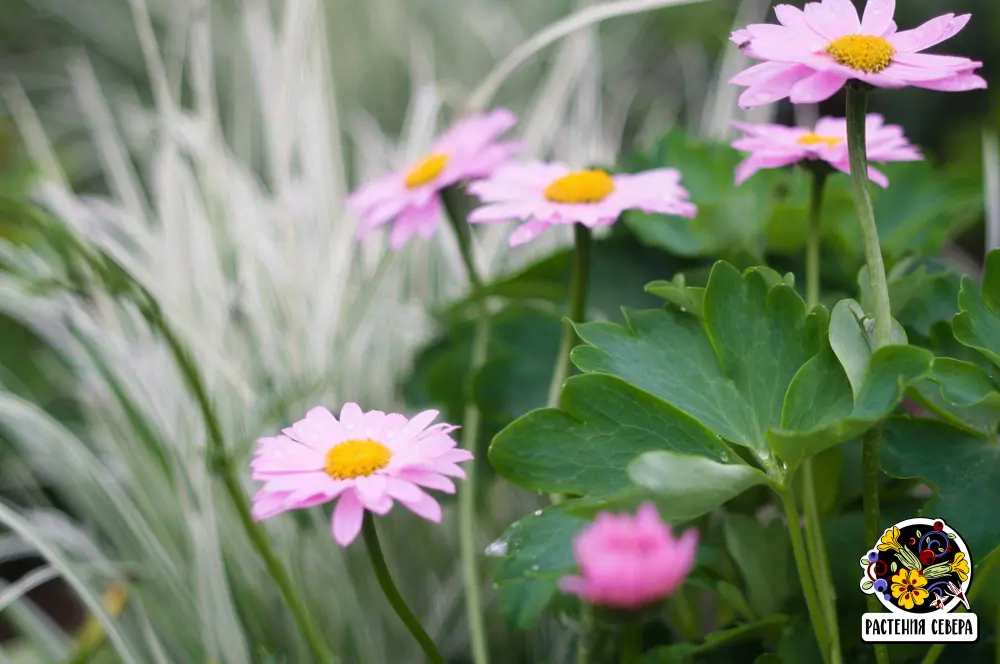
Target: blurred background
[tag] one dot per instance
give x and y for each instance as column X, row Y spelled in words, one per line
column 208, row 145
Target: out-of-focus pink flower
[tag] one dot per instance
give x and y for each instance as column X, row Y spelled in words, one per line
column 410, row 199
column 813, row 52
column 365, row 461
column 774, row 146
column 548, row 194
column 629, row 562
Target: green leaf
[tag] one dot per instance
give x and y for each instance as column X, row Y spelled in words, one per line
column 849, row 342
column 818, row 413
column 730, row 373
column 538, row 552
column 963, row 469
column 584, row 450
column 677, row 292
column 978, row 326
column 763, row 556
column 689, row 486
column 760, row 630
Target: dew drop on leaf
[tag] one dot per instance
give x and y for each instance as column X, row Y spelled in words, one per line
column 724, row 457
column 497, row 547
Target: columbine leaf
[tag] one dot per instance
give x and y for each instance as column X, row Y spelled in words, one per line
column 978, row 326
column 732, row 373
column 760, row 630
column 678, row 293
column 818, row 412
column 584, row 450
column 689, row 486
column 963, row 468
column 539, row 551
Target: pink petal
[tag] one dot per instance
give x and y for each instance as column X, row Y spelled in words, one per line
column 790, row 17
column 878, row 177
column 424, row 506
column 846, row 13
column 347, row 517
column 318, row 430
column 957, row 83
column 375, row 192
column 816, row 88
column 500, row 212
column 775, row 88
column 940, row 62
column 428, row 480
column 416, row 425
column 527, row 232
column 381, row 214
column 402, row 490
column 758, row 162
column 442, row 468
column 930, row 33
column 457, row 455
column 825, row 22
column 415, row 218
column 371, row 489
column 878, row 16
column 351, row 418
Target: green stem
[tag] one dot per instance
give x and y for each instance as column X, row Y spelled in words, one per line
column 586, row 627
column 816, row 615
column 631, row 643
column 222, row 465
column 814, row 238
column 577, row 310
column 468, row 551
column 816, row 545
column 857, row 103
column 385, row 581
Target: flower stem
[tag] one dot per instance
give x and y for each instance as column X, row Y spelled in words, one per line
column 631, row 643
column 857, row 103
column 392, row 593
column 813, row 238
column 577, row 310
column 586, row 627
column 222, row 465
column 470, row 435
column 816, row 615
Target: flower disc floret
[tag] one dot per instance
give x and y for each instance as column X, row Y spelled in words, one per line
column 581, row 187
column 426, row 170
column 356, row 458
column 862, row 52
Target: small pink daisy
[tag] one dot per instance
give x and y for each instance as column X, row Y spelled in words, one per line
column 629, row 562
column 815, row 51
column 774, row 146
column 365, row 461
column 550, row 194
column 410, row 198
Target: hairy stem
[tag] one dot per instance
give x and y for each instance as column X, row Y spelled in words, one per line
column 631, row 643
column 814, row 238
column 392, row 593
column 857, row 103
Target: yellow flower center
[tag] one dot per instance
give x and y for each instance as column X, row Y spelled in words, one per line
column 815, row 139
column 356, row 458
column 865, row 53
column 581, row 187
column 426, row 170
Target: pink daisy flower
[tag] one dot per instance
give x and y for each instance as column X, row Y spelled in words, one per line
column 774, row 146
column 815, row 51
column 364, row 461
column 629, row 562
column 548, row 194
column 410, row 199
